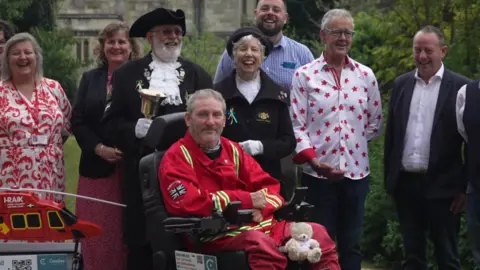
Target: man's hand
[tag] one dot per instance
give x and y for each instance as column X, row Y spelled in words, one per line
column 458, row 203
column 257, row 216
column 258, row 199
column 324, row 169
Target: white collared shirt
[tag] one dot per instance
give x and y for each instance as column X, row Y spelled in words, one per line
column 249, row 89
column 416, row 150
column 460, row 108
column 334, row 117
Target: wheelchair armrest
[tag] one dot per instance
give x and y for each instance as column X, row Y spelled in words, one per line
column 216, row 223
column 296, row 209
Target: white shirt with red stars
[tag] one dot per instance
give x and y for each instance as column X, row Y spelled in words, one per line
column 334, row 117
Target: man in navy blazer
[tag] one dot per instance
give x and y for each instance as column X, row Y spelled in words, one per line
column 423, row 165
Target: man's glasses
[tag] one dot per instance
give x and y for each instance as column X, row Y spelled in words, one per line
column 169, row 32
column 338, row 32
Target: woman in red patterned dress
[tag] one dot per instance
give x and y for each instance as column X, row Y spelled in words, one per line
column 34, row 120
column 100, row 177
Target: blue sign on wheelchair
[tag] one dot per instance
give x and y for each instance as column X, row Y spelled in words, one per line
column 194, row 261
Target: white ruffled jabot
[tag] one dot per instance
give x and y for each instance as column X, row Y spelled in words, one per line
column 165, row 77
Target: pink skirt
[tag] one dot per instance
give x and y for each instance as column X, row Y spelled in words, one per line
column 106, row 251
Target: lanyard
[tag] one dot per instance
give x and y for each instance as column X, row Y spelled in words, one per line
column 36, row 106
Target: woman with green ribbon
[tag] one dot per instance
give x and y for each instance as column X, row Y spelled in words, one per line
column 257, row 114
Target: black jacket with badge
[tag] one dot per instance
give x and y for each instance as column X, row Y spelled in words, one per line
column 267, row 119
column 121, row 118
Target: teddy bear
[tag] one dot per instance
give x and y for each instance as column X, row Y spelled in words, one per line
column 301, row 246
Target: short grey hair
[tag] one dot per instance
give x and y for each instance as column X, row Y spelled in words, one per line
column 335, row 13
column 243, row 40
column 21, row 37
column 202, row 94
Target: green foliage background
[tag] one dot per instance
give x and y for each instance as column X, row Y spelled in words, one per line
column 383, row 41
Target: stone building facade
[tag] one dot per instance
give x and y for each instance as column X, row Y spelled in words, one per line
column 86, row 18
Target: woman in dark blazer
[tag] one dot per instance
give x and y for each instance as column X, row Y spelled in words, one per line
column 100, row 177
column 257, row 107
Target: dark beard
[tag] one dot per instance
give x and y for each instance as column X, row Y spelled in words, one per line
column 268, row 32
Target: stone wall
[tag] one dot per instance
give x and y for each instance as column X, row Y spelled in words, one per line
column 86, row 18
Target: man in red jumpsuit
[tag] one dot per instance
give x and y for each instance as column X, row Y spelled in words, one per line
column 204, row 170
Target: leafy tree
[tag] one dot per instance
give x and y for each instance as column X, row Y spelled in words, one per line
column 39, row 14
column 13, row 9
column 58, row 63
column 204, row 50
column 305, row 16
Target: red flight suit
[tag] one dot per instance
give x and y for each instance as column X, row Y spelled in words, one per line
column 192, row 184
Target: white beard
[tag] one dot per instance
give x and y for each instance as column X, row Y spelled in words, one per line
column 165, row 53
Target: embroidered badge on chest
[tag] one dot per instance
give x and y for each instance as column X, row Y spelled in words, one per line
column 263, row 117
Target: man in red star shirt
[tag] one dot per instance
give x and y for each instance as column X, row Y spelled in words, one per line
column 336, row 110
column 204, row 170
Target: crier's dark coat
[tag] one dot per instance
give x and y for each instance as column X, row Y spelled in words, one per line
column 120, row 121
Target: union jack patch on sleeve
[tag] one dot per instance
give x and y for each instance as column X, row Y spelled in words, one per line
column 177, row 191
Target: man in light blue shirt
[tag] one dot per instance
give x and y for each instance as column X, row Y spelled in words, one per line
column 287, row 54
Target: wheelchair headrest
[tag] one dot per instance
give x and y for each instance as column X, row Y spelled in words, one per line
column 166, row 130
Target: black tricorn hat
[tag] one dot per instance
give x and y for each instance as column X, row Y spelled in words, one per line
column 159, row 16
column 245, row 31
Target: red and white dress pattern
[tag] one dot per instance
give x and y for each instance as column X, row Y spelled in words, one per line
column 334, row 116
column 31, row 145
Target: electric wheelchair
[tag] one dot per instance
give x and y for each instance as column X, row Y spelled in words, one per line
column 167, row 233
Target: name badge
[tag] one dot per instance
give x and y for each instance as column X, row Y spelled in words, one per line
column 39, row 139
column 289, row 65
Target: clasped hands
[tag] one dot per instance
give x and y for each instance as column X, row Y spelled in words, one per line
column 259, row 202
column 325, row 170
column 108, row 153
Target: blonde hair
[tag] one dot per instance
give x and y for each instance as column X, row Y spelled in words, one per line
column 107, row 33
column 21, row 37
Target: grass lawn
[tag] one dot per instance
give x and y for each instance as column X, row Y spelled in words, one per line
column 72, row 159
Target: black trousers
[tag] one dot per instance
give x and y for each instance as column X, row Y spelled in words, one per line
column 419, row 215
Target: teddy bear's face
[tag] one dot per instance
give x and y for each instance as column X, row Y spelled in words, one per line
column 301, row 237
column 301, row 231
